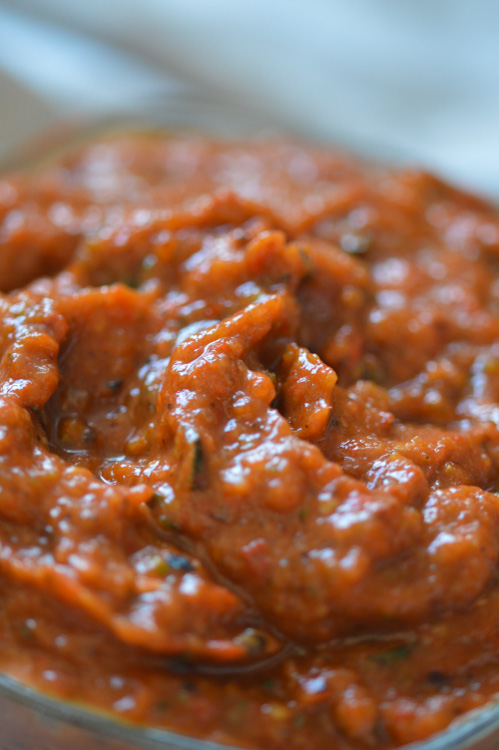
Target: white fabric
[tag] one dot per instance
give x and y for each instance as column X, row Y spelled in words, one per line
column 417, row 79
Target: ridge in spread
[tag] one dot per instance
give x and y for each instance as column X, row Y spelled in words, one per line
column 249, row 447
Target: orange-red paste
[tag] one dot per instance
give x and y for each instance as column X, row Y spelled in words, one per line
column 249, row 446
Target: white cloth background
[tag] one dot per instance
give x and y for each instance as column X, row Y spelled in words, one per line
column 417, row 79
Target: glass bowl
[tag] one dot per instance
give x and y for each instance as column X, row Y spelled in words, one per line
column 31, row 720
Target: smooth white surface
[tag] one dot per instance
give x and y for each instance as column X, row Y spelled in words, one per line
column 415, row 78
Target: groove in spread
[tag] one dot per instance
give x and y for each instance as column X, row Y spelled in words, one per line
column 249, row 448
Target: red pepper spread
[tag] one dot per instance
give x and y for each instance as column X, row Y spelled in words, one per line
column 249, row 445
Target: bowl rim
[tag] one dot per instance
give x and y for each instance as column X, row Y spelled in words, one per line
column 462, row 734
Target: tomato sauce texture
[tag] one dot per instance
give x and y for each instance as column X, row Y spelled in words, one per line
column 249, row 446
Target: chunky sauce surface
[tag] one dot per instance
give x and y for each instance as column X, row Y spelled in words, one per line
column 249, row 446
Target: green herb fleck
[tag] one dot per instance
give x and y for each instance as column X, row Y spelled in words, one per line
column 269, row 684
column 155, row 501
column 392, row 655
column 132, row 282
column 437, row 677
column 168, row 523
column 161, row 567
column 252, row 641
column 89, row 435
column 26, row 630
column 299, row 721
column 179, row 562
column 356, row 244
column 114, row 385
column 308, row 265
column 198, row 465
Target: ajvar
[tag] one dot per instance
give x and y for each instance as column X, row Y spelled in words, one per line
column 249, row 409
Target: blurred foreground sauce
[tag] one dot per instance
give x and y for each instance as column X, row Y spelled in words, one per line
column 249, row 447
